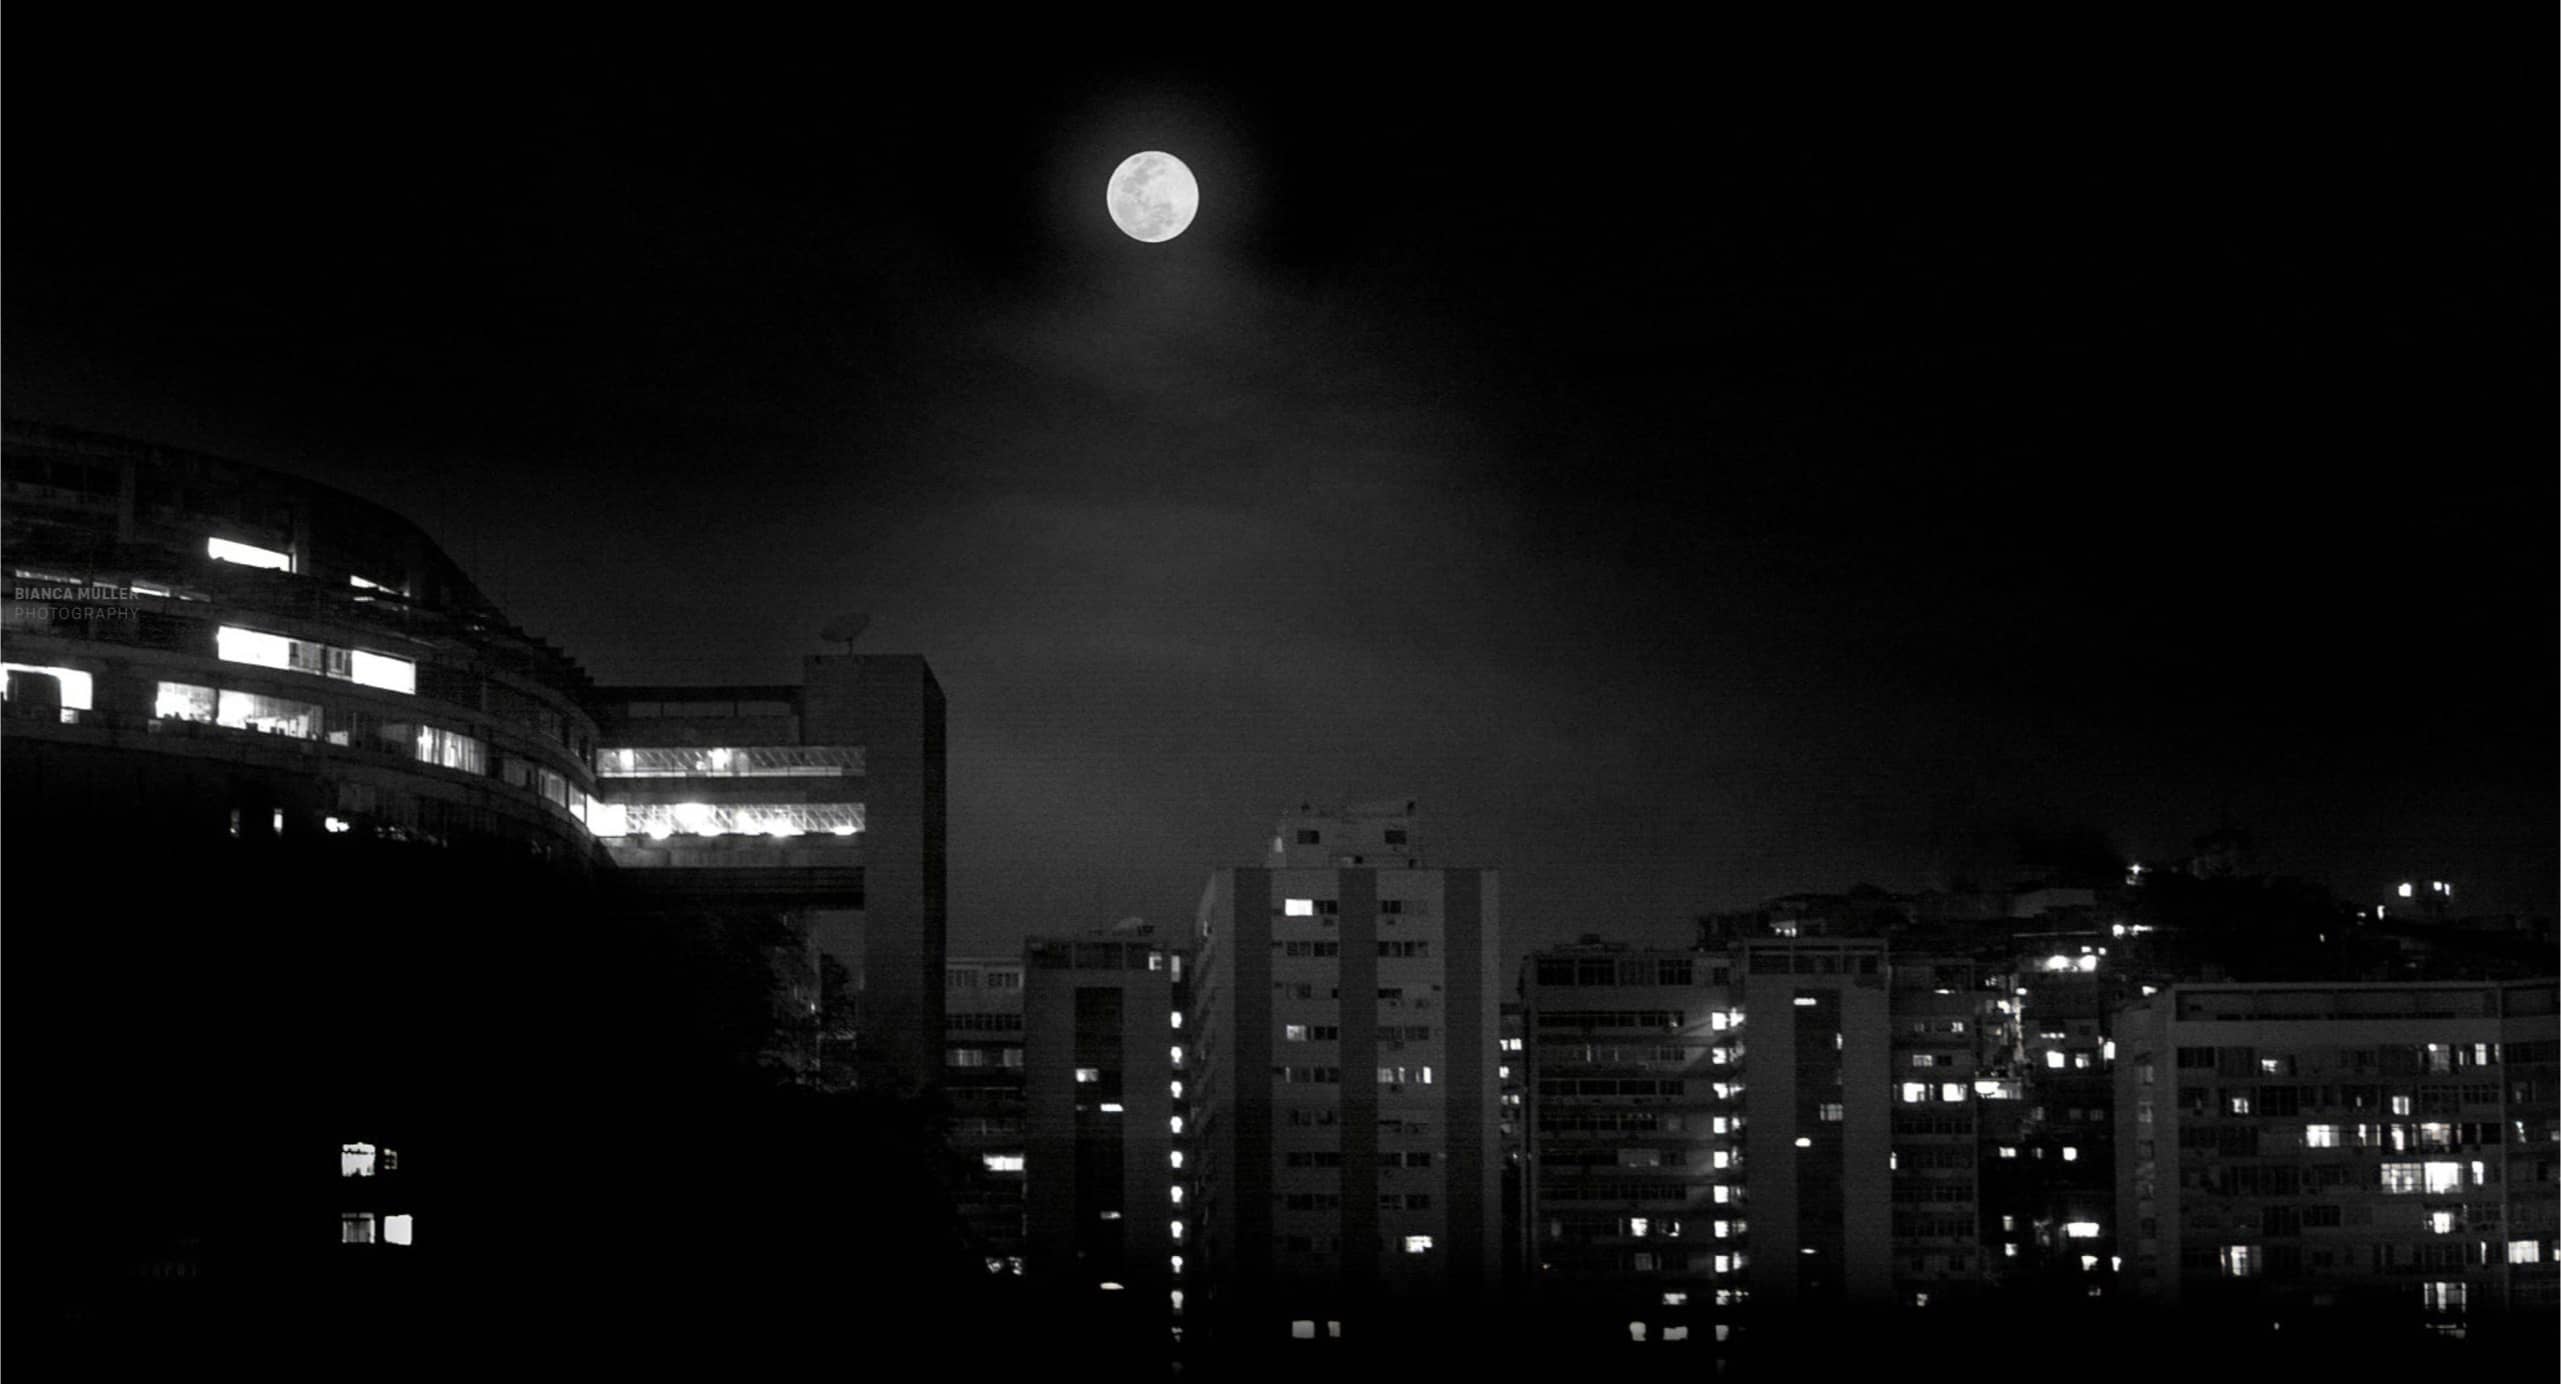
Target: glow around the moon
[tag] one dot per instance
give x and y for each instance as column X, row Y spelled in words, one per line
column 1152, row 196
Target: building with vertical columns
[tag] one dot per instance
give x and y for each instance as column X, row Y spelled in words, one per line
column 2387, row 1150
column 1819, row 1121
column 1345, row 1044
column 1106, row 1200
column 820, row 803
column 1638, row 1219
column 983, row 1082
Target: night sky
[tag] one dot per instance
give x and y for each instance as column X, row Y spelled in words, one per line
column 1697, row 466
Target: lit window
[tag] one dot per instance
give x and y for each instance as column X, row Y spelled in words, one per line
column 2070, row 1153
column 1293, row 1033
column 2441, row 1222
column 1087, row 1076
column 2241, row 1261
column 2009, row 1150
column 1177, row 1228
column 1418, row 1244
column 1676, row 1299
column 1299, row 908
column 1002, row 1162
column 2446, row 1296
column 1676, row 1333
column 2054, row 1060
column 2525, row 1251
column 356, row 1228
column 355, row 1160
column 1111, row 1287
column 1178, row 1055
column 1178, row 1018
column 1302, row 1331
column 1177, row 1191
column 2400, row 1177
column 180, row 701
column 268, row 715
column 1178, row 1263
column 1829, row 1112
column 1723, row 1159
column 1805, row 1001
column 1177, row 1157
column 1178, row 1299
column 1915, row 1091
column 2010, row 1251
column 1178, row 1090
column 2321, row 1136
column 1721, row 1194
column 1803, row 1142
column 1953, row 1090
column 2442, row 1177
column 1178, row 1124
column 1111, row 1107
column 250, row 555
column 395, row 1229
column 76, row 686
column 383, row 671
column 2081, row 1230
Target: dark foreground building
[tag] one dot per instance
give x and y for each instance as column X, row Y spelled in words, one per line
column 302, row 856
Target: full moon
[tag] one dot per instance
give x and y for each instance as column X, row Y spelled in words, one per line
column 1152, row 196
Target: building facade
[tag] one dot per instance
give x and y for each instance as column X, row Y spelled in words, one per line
column 1345, row 1051
column 818, row 803
column 2382, row 1150
column 1107, row 1204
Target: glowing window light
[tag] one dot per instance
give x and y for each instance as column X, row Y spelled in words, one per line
column 1002, row 1162
column 2070, row 1154
column 1178, row 1090
column 355, row 1160
column 2057, row 962
column 1177, row 1123
column 2081, row 1230
column 1178, row 1263
column 2088, row 963
column 1111, row 1107
column 1087, row 1076
column 1177, row 1228
column 356, row 1228
column 1178, row 1018
column 1302, row 1331
column 181, row 701
column 258, row 648
column 1803, row 1142
column 395, row 1229
column 1952, row 1090
column 383, row 671
column 1111, row 1287
column 1418, row 1244
column 1177, row 1158
column 2054, row 1059
column 1177, row 1191
column 248, row 555
column 77, row 686
column 1177, row 1051
column 2405, row 891
column 1299, row 908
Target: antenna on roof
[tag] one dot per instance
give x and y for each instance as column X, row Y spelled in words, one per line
column 845, row 629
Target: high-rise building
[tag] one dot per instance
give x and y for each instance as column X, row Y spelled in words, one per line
column 819, row 802
column 1344, row 1052
column 2385, row 1150
column 1108, row 1223
column 983, row 1083
column 1637, row 1218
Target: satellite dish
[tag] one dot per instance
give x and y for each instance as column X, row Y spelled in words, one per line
column 845, row 629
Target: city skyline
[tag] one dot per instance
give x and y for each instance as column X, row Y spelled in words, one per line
column 1694, row 483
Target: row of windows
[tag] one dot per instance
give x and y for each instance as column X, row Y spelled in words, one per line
column 984, row 1023
column 1570, row 972
column 764, row 761
column 1385, row 949
column 252, row 711
column 1613, row 1018
column 2397, row 1059
column 1333, row 908
column 257, row 647
column 1611, row 1086
column 964, row 978
column 983, row 1057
